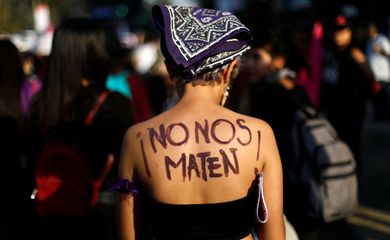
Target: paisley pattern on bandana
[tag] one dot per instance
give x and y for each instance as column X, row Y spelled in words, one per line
column 197, row 39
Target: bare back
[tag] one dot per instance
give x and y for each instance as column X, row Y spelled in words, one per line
column 197, row 154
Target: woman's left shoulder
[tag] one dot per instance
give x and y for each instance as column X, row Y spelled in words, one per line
column 254, row 122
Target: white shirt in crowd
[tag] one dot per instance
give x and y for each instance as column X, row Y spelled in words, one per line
column 379, row 62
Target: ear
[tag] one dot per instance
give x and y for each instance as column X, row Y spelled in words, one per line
column 228, row 71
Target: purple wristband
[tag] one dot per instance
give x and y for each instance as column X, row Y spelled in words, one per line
column 124, row 186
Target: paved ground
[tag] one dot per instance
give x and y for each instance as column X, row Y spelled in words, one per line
column 374, row 217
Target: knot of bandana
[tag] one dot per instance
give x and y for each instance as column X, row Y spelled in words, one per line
column 196, row 40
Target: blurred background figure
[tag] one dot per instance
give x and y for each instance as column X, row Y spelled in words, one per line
column 378, row 55
column 275, row 97
column 12, row 77
column 347, row 85
column 161, row 88
column 12, row 175
column 256, row 67
column 267, row 89
column 126, row 79
column 76, row 75
column 32, row 83
column 305, row 57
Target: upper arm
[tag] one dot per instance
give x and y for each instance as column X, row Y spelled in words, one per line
column 385, row 45
column 126, row 161
column 273, row 187
column 358, row 55
column 126, row 216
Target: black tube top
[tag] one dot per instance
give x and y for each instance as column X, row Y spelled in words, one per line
column 231, row 220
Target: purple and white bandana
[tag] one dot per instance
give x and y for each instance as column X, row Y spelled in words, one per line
column 196, row 40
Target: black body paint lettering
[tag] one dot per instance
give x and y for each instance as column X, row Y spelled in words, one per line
column 227, row 164
column 258, row 144
column 204, row 130
column 214, row 126
column 240, row 125
column 162, row 139
column 145, row 159
column 169, row 162
column 169, row 131
column 237, row 169
column 192, row 166
column 203, row 157
column 212, row 166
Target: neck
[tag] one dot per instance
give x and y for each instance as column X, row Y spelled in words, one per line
column 199, row 93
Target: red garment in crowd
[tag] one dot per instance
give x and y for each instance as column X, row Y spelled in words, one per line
column 141, row 105
column 311, row 81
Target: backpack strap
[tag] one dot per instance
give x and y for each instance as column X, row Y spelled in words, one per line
column 98, row 182
column 110, row 158
column 99, row 102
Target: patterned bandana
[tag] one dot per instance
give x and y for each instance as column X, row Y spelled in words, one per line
column 197, row 40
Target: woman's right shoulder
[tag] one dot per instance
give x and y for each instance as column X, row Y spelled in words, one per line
column 137, row 129
column 141, row 129
column 133, row 130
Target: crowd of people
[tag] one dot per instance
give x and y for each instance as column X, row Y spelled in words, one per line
column 175, row 112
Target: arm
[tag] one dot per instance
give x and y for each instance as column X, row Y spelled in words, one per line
column 126, row 218
column 382, row 46
column 273, row 187
column 367, row 79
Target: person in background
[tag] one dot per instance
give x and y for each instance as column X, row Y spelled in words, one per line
column 346, row 86
column 309, row 68
column 32, row 84
column 11, row 81
column 274, row 98
column 161, row 88
column 124, row 78
column 275, row 95
column 254, row 68
column 12, row 169
column 76, row 76
column 378, row 55
column 199, row 161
